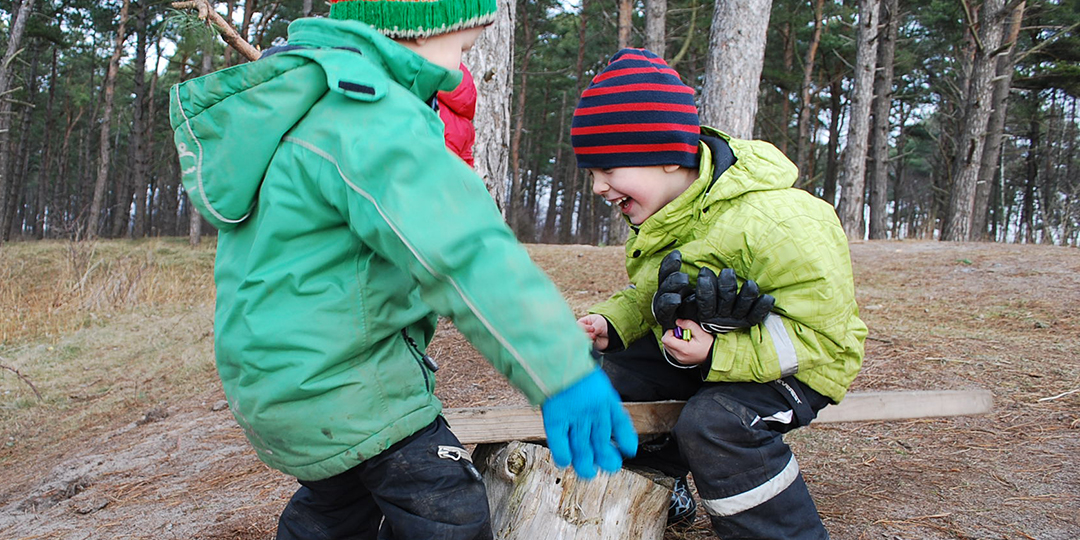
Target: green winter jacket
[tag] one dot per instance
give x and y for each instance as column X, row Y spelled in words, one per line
column 751, row 220
column 346, row 227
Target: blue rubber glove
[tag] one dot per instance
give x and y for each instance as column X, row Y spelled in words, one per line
column 586, row 425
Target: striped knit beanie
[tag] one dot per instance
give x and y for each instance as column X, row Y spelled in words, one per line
column 411, row 19
column 636, row 113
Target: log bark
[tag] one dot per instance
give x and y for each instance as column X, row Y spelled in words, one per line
column 530, row 499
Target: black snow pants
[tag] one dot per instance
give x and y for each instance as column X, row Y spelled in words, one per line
column 421, row 487
column 729, row 436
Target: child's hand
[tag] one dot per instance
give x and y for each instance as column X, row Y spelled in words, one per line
column 596, row 327
column 692, row 352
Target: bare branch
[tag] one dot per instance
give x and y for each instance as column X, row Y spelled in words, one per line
column 228, row 33
column 25, row 380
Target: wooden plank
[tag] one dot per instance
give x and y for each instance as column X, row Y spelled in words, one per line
column 475, row 425
column 866, row 406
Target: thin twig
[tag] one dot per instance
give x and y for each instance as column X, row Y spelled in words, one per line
column 24, row 379
column 1061, row 395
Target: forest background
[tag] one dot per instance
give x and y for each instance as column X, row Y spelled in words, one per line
column 931, row 119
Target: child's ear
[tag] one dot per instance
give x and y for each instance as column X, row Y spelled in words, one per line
column 670, row 168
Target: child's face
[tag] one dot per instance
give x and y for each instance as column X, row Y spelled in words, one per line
column 640, row 192
column 445, row 49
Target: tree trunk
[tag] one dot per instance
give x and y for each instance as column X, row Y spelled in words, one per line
column 59, row 213
column 45, row 177
column 491, row 62
column 832, row 159
column 853, row 183
column 995, row 129
column 736, row 57
column 972, row 135
column 901, row 143
column 140, row 144
column 514, row 203
column 883, row 83
column 656, row 26
column 1027, row 208
column 571, row 194
column 17, row 29
column 17, row 202
column 626, row 22
column 105, row 153
column 803, row 145
column 550, row 232
column 148, row 135
column 530, row 499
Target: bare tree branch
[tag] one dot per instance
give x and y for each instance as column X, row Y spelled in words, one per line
column 228, row 33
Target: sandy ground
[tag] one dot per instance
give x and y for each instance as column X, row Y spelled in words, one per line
column 942, row 316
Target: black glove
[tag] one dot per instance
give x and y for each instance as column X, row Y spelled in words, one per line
column 674, row 291
column 722, row 307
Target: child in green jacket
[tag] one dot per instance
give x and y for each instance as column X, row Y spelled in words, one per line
column 742, row 303
column 346, row 229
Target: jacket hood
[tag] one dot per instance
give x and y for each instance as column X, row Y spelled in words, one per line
column 729, row 168
column 758, row 166
column 228, row 125
column 461, row 100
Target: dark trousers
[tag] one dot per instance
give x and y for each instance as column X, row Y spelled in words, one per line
column 408, row 492
column 729, row 436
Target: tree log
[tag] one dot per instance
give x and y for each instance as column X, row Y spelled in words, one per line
column 531, row 499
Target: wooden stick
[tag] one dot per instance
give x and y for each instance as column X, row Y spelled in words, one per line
column 224, row 28
column 474, row 425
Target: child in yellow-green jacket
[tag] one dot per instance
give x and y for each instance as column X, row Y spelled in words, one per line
column 742, row 302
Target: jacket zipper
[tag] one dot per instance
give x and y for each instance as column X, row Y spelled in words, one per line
column 426, row 362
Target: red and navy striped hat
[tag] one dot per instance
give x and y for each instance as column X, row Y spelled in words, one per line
column 636, row 113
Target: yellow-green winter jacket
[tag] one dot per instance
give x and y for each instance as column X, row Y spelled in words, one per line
column 346, row 227
column 752, row 220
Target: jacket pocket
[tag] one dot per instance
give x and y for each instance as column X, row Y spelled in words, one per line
column 428, row 366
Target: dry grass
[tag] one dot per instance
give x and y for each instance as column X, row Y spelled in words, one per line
column 92, row 334
column 54, row 287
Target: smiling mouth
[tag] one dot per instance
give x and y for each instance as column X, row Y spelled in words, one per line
column 622, row 203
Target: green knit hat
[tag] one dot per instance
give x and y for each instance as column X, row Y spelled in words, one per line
column 410, row 19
